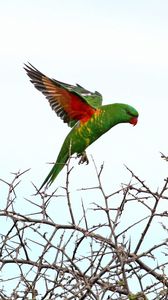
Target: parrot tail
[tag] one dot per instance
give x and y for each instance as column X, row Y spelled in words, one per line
column 58, row 166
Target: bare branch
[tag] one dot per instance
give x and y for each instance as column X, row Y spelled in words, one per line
column 109, row 250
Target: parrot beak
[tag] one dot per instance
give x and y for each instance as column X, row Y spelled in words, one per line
column 134, row 121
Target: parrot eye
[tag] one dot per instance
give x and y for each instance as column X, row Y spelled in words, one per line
column 129, row 113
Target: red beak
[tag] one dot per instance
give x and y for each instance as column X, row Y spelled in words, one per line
column 134, row 121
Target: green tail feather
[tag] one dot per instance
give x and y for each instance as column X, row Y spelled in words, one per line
column 58, row 166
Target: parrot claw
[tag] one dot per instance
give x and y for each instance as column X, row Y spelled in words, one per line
column 83, row 158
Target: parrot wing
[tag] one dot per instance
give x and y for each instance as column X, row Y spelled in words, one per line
column 93, row 99
column 72, row 103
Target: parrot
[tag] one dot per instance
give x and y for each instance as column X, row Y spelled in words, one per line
column 83, row 111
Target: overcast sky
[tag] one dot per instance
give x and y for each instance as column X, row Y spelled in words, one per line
column 119, row 48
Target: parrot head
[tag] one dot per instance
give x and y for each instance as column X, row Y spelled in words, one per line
column 133, row 114
column 126, row 113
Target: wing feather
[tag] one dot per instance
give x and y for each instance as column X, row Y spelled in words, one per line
column 66, row 100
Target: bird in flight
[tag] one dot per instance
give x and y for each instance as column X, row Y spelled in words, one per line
column 83, row 111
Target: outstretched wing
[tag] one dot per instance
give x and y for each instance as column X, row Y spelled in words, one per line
column 94, row 99
column 71, row 103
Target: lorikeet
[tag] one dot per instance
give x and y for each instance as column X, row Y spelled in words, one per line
column 83, row 111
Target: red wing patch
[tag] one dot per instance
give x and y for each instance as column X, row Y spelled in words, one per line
column 67, row 105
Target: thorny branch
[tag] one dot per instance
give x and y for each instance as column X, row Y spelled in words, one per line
column 116, row 256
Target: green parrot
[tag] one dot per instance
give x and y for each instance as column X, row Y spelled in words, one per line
column 83, row 111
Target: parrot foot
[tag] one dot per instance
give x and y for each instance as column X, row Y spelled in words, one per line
column 83, row 158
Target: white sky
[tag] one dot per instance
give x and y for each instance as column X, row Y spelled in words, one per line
column 116, row 47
